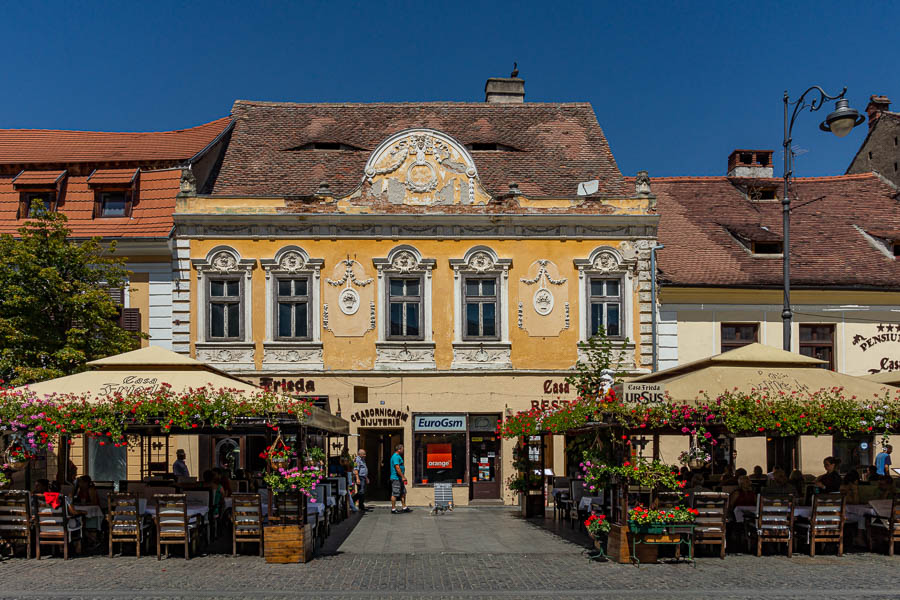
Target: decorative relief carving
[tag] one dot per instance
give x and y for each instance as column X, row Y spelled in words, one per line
column 481, row 356
column 543, row 301
column 404, row 262
column 301, row 355
column 520, row 311
column 223, row 262
column 540, row 293
column 325, row 317
column 225, row 355
column 349, row 289
column 349, row 276
column 606, row 262
column 349, row 301
column 371, row 315
column 567, row 315
column 481, row 262
column 406, row 355
column 543, row 274
column 292, row 262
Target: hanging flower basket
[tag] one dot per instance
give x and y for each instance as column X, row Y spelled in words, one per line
column 16, row 457
column 278, row 455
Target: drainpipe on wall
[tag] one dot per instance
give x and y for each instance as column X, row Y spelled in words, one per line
column 653, row 334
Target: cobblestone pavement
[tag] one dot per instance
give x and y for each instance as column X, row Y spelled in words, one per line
column 544, row 566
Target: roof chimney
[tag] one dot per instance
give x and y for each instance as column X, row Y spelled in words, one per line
column 751, row 163
column 505, row 90
column 876, row 106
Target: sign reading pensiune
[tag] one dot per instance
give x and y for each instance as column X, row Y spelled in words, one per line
column 643, row 393
column 440, row 423
column 379, row 417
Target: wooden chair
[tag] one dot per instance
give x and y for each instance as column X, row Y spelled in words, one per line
column 562, row 501
column 887, row 528
column 56, row 526
column 127, row 524
column 826, row 522
column 246, row 518
column 15, row 519
column 322, row 524
column 709, row 524
column 669, row 499
column 173, row 526
column 576, row 493
column 774, row 521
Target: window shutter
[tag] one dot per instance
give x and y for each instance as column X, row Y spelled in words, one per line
column 117, row 295
column 23, row 206
column 131, row 319
column 97, row 206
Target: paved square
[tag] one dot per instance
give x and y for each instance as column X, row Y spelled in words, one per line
column 471, row 553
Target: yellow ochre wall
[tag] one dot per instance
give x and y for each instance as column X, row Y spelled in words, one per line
column 544, row 353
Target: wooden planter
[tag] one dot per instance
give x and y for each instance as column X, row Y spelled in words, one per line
column 531, row 505
column 618, row 548
column 288, row 543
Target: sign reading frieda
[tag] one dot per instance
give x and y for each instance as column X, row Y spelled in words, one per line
column 440, row 422
column 643, row 393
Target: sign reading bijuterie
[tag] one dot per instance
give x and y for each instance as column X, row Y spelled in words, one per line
column 643, row 393
column 439, row 423
column 380, row 417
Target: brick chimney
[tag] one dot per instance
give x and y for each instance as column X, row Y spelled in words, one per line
column 505, row 90
column 877, row 105
column 751, row 163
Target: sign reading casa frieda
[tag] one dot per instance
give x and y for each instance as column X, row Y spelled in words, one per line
column 439, row 423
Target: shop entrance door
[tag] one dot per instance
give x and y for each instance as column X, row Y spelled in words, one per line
column 484, row 453
column 379, row 445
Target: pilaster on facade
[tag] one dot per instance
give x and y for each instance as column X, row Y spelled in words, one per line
column 181, row 295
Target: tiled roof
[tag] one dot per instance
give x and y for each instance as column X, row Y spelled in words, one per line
column 112, row 176
column 827, row 248
column 50, row 178
column 47, row 146
column 151, row 215
column 553, row 146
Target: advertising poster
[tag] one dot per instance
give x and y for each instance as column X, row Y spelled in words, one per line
column 438, row 456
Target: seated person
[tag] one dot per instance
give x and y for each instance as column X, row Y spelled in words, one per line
column 850, row 487
column 886, row 489
column 871, row 474
column 85, row 491
column 743, row 496
column 758, row 473
column 728, row 477
column 830, row 481
column 41, row 486
column 779, row 484
column 211, row 482
column 797, row 482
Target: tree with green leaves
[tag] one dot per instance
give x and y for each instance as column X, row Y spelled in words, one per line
column 56, row 313
column 599, row 360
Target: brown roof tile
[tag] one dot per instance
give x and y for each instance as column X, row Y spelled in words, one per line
column 112, row 176
column 555, row 146
column 827, row 249
column 49, row 146
column 38, row 177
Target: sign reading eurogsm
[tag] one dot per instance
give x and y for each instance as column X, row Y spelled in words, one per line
column 643, row 393
column 440, row 423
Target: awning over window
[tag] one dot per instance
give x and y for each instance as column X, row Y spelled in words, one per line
column 38, row 178
column 113, row 177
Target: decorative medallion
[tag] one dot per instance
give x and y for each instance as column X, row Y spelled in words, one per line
column 543, row 301
column 481, row 262
column 349, row 301
column 404, row 262
column 223, row 262
column 292, row 262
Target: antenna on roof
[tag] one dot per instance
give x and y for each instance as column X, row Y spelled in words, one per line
column 515, row 71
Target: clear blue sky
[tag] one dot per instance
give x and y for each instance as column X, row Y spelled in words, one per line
column 676, row 86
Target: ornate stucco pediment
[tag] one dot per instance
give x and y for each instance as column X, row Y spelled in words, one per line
column 423, row 167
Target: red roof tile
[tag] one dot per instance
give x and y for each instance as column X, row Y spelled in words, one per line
column 151, row 215
column 38, row 177
column 112, row 176
column 554, row 146
column 827, row 248
column 48, row 146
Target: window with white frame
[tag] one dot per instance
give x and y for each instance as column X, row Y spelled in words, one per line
column 405, row 308
column 293, row 315
column 481, row 308
column 224, row 309
column 223, row 282
column 605, row 291
column 604, row 306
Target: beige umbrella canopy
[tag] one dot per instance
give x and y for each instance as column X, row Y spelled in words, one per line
column 144, row 369
column 754, row 366
column 886, row 378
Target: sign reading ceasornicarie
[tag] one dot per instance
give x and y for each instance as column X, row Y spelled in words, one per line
column 643, row 393
column 439, row 422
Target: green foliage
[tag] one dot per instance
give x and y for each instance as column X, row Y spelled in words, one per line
column 55, row 313
column 315, row 454
column 641, row 472
column 599, row 358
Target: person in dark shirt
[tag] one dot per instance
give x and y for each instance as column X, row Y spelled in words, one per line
column 830, row 481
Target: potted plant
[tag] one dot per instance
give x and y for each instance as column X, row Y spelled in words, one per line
column 315, row 456
column 278, row 455
column 598, row 528
column 302, row 479
column 17, row 457
column 530, row 503
column 661, row 525
column 695, row 457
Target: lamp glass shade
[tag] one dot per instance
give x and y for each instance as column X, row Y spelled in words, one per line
column 841, row 127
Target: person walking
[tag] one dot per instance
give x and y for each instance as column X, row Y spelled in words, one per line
column 883, row 460
column 398, row 481
column 361, row 477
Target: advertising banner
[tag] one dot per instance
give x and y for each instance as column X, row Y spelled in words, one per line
column 438, row 456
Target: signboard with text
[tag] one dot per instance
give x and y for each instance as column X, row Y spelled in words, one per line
column 438, row 456
column 643, row 393
column 440, row 423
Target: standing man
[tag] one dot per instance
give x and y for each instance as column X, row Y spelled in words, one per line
column 398, row 481
column 361, row 477
column 883, row 460
column 179, row 467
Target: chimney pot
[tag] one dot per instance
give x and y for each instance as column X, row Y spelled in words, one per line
column 877, row 105
column 751, row 163
column 504, row 90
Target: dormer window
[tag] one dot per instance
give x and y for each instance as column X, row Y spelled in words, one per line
column 34, row 204
column 896, row 246
column 758, row 240
column 489, row 147
column 114, row 203
column 766, row 247
column 38, row 191
column 114, row 192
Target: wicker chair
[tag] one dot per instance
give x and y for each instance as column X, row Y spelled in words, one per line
column 246, row 518
column 15, row 519
column 709, row 524
column 173, row 525
column 825, row 523
column 774, row 522
column 56, row 526
column 887, row 528
column 127, row 524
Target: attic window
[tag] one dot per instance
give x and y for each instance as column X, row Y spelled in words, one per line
column 758, row 193
column 324, row 146
column 896, row 246
column 489, row 147
column 766, row 247
column 34, row 204
column 767, row 194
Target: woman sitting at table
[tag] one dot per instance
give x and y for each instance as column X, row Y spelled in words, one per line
column 830, row 481
column 779, row 484
column 86, row 491
column 224, row 480
column 850, row 487
column 743, row 496
column 797, row 483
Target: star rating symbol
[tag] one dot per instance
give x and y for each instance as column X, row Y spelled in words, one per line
column 890, row 327
column 881, row 328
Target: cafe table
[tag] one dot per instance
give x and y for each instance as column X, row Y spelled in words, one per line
column 853, row 513
column 585, row 503
column 93, row 515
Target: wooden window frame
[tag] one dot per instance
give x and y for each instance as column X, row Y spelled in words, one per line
column 480, row 300
column 726, row 346
column 210, row 300
column 99, row 197
column 293, row 300
column 591, row 300
column 818, row 343
column 27, row 196
column 420, row 300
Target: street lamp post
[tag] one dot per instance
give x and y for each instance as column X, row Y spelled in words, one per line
column 839, row 122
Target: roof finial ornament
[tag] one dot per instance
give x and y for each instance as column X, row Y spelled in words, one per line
column 515, row 71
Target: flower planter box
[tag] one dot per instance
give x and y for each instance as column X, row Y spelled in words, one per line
column 287, row 543
column 618, row 548
column 531, row 505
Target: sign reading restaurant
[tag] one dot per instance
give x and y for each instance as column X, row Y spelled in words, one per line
column 440, row 423
column 379, row 417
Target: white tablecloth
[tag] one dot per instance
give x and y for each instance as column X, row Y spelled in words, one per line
column 853, row 513
column 585, row 502
column 558, row 490
column 193, row 510
column 93, row 515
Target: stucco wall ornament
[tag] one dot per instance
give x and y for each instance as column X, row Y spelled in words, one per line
column 292, row 262
column 606, row 262
column 481, row 262
column 543, row 300
column 405, row 262
column 349, row 301
column 223, row 262
column 349, row 277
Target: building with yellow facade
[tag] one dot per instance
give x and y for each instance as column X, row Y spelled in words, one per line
column 422, row 268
